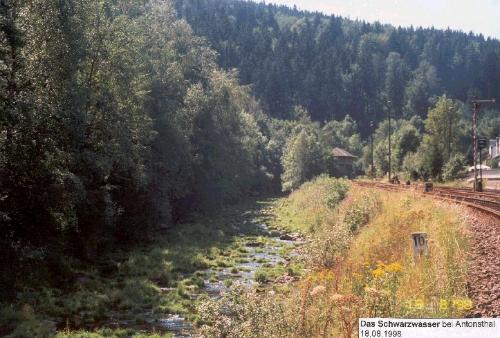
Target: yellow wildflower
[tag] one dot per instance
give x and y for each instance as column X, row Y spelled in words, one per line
column 443, row 304
column 378, row 273
column 419, row 304
column 394, row 267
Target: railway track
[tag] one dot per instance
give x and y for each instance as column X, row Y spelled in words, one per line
column 485, row 201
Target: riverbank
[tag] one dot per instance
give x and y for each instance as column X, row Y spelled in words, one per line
column 155, row 290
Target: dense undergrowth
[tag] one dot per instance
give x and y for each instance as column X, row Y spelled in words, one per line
column 361, row 265
column 307, row 208
column 134, row 287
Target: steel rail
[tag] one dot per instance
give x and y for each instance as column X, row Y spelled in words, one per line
column 489, row 203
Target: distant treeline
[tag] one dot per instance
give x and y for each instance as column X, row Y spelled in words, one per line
column 334, row 66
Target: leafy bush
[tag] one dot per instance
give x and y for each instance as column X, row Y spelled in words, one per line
column 322, row 191
column 333, row 236
column 241, row 313
column 454, row 168
column 261, row 276
column 495, row 163
column 23, row 322
column 360, row 211
column 303, row 158
column 413, row 167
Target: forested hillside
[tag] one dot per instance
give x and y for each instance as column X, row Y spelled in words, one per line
column 334, row 66
column 115, row 120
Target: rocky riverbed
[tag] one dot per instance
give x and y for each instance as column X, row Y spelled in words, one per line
column 267, row 250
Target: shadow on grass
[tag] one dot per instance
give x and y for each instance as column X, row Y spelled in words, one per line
column 133, row 288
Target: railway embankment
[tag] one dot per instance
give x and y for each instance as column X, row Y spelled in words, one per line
column 359, row 263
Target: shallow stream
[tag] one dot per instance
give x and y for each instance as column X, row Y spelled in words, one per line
column 277, row 249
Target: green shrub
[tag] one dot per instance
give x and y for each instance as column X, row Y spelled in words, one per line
column 335, row 232
column 32, row 328
column 198, row 281
column 261, row 276
column 360, row 211
column 454, row 168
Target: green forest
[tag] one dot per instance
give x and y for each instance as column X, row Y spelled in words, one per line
column 120, row 118
column 334, row 66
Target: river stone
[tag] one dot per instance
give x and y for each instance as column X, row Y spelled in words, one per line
column 285, row 279
column 290, row 237
column 174, row 323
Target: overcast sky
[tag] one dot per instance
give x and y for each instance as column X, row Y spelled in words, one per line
column 479, row 16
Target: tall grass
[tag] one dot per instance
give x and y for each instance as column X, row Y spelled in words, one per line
column 307, row 208
column 361, row 264
column 434, row 286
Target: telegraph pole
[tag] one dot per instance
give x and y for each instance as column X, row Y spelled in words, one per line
column 476, row 106
column 481, row 167
column 449, row 132
column 389, row 115
column 371, row 148
column 482, row 143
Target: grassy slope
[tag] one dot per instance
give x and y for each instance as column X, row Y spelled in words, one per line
column 376, row 275
column 429, row 286
column 361, row 263
column 309, row 207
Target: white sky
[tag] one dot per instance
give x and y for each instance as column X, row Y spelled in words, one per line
column 479, row 16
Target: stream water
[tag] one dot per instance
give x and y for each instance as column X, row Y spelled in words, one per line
column 269, row 254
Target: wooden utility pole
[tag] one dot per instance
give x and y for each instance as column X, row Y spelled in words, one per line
column 371, row 148
column 389, row 115
column 476, row 106
column 482, row 143
column 449, row 132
